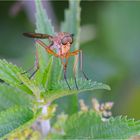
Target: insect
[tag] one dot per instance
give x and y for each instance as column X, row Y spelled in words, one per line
column 59, row 46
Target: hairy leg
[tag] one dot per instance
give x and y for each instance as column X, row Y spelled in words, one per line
column 74, row 53
column 74, row 70
column 65, row 71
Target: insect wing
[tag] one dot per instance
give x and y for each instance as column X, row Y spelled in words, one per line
column 37, row 35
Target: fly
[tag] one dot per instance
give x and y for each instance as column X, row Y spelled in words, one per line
column 59, row 47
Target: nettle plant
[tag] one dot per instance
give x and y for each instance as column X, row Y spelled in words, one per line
column 25, row 102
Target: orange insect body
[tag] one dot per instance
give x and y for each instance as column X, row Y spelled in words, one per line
column 61, row 43
column 59, row 47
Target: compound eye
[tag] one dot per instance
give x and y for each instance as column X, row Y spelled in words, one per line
column 64, row 41
column 70, row 40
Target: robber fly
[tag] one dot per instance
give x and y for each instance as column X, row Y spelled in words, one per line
column 59, row 47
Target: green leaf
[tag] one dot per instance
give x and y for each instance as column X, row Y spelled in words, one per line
column 83, row 85
column 47, row 74
column 13, row 118
column 56, row 72
column 61, row 89
column 31, row 84
column 72, row 21
column 10, row 74
column 43, row 25
column 88, row 125
column 10, row 96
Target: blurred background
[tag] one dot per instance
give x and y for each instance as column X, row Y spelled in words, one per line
column 110, row 40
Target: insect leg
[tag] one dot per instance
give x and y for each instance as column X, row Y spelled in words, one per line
column 28, row 70
column 33, row 73
column 74, row 70
column 81, row 60
column 47, row 48
column 65, row 72
column 65, row 77
column 36, row 65
column 81, row 65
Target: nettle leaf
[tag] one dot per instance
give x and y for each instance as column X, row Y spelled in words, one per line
column 10, row 74
column 11, row 96
column 72, row 21
column 43, row 25
column 88, row 125
column 31, row 84
column 13, row 118
column 83, row 85
column 47, row 73
column 56, row 72
column 61, row 89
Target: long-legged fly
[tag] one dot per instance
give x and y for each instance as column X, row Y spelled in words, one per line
column 59, row 47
